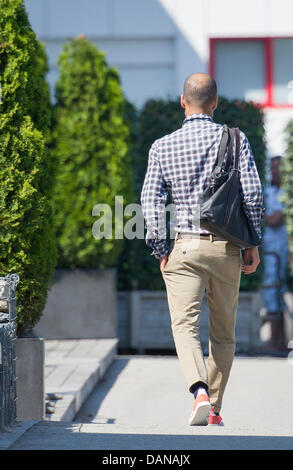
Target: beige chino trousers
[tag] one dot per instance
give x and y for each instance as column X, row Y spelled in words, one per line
column 195, row 265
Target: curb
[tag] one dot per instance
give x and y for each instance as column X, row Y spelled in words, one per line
column 88, row 372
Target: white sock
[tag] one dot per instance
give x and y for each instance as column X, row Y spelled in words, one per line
column 201, row 390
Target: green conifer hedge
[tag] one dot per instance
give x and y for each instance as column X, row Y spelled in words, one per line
column 90, row 145
column 27, row 241
column 286, row 169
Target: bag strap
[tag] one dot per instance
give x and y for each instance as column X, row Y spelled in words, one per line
column 229, row 150
column 228, row 137
column 237, row 148
column 222, row 149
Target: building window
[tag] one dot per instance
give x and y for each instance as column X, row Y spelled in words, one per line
column 254, row 69
column 283, row 71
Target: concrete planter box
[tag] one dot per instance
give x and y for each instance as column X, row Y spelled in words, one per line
column 30, row 384
column 81, row 304
column 144, row 321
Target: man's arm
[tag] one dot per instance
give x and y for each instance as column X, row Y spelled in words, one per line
column 153, row 200
column 252, row 199
column 251, row 188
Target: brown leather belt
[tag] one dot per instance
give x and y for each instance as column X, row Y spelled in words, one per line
column 205, row 236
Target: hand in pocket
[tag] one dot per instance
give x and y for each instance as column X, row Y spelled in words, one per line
column 163, row 262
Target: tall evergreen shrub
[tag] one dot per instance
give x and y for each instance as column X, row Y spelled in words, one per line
column 286, row 169
column 27, row 242
column 250, row 119
column 90, row 145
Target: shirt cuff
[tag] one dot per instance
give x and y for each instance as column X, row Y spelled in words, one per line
column 160, row 247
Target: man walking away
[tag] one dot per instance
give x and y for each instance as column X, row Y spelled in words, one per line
column 198, row 261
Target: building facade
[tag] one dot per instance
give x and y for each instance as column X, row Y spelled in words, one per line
column 155, row 44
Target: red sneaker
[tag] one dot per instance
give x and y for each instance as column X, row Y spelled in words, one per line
column 215, row 420
column 200, row 412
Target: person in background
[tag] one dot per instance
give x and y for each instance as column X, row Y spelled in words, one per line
column 275, row 239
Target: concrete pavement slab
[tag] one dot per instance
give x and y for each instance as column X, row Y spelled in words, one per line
column 11, row 435
column 73, row 368
column 74, row 436
column 143, row 403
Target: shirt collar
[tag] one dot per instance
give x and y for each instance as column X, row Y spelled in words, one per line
column 197, row 116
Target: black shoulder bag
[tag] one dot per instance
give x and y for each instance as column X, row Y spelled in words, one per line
column 221, row 210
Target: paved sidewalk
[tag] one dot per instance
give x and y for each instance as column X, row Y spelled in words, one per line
column 143, row 403
column 72, row 370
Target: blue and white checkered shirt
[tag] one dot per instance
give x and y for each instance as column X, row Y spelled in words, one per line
column 181, row 163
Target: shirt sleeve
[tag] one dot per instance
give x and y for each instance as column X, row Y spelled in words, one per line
column 251, row 188
column 153, row 200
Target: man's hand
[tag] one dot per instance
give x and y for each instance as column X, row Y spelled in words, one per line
column 163, row 262
column 250, row 255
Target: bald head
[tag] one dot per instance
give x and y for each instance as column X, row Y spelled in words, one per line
column 200, row 89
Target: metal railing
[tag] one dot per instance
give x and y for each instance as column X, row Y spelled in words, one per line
column 8, row 395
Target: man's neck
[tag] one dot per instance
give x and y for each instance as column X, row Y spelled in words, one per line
column 190, row 112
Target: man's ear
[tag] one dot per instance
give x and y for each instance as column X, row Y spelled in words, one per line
column 215, row 105
column 182, row 100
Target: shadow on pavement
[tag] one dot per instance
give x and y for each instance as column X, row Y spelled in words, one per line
column 93, row 403
column 67, row 436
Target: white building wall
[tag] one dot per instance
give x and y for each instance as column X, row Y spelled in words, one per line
column 156, row 44
column 138, row 37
